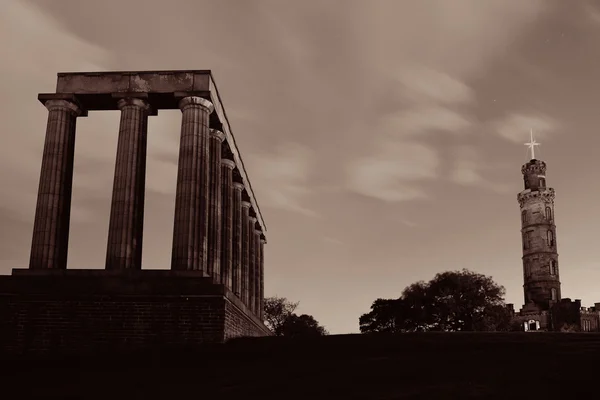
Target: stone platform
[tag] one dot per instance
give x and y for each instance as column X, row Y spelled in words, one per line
column 80, row 310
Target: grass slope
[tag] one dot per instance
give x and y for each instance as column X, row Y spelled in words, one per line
column 429, row 365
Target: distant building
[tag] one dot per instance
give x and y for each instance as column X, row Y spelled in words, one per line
column 544, row 308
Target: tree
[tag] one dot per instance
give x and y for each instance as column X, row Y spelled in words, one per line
column 302, row 325
column 451, row 301
column 281, row 320
column 277, row 310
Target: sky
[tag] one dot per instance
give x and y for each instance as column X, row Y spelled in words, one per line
column 383, row 139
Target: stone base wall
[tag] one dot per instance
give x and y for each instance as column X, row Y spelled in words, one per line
column 79, row 312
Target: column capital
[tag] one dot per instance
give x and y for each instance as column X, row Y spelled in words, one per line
column 63, row 105
column 138, row 99
column 229, row 164
column 133, row 101
column 217, row 134
column 64, row 101
column 191, row 101
column 246, row 204
column 240, row 186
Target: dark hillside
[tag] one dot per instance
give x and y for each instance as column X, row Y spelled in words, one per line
column 432, row 365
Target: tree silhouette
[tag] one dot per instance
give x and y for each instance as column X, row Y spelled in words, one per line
column 451, row 301
column 276, row 311
column 302, row 325
column 281, row 320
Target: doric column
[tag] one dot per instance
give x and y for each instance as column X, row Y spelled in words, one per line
column 53, row 210
column 191, row 199
column 261, row 309
column 251, row 265
column 126, row 225
column 227, row 167
column 214, row 205
column 237, row 239
column 246, row 252
column 257, row 255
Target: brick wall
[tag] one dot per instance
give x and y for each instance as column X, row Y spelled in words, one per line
column 55, row 314
column 239, row 322
column 34, row 323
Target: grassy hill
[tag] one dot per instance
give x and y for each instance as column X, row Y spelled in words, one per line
column 431, row 366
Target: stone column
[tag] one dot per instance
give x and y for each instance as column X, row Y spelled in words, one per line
column 245, row 252
column 126, row 225
column 50, row 241
column 261, row 309
column 214, row 206
column 237, row 239
column 190, row 230
column 251, row 265
column 227, row 167
column 257, row 256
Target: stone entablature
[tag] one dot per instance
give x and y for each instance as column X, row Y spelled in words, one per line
column 97, row 91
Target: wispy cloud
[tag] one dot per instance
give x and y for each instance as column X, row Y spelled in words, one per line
column 421, row 120
column 409, row 223
column 35, row 48
column 470, row 169
column 515, row 127
column 593, row 11
column 281, row 178
column 391, row 173
column 423, row 85
column 332, row 240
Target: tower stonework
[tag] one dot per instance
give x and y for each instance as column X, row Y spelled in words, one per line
column 544, row 308
column 540, row 257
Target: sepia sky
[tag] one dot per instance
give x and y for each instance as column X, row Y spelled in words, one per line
column 383, row 139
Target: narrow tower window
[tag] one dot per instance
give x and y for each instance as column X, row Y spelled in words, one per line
column 553, row 267
column 542, row 182
column 524, row 216
column 553, row 292
column 550, row 237
column 548, row 213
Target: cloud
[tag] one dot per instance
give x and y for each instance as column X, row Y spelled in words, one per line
column 466, row 166
column 425, row 120
column 391, row 174
column 328, row 239
column 281, row 179
column 408, row 223
column 469, row 169
column 515, row 127
column 592, row 12
column 424, row 85
column 35, row 47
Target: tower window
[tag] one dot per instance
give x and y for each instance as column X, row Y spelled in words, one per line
column 553, row 292
column 548, row 213
column 542, row 182
column 553, row 268
column 550, row 238
column 524, row 216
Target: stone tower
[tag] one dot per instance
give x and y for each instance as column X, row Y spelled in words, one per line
column 540, row 258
